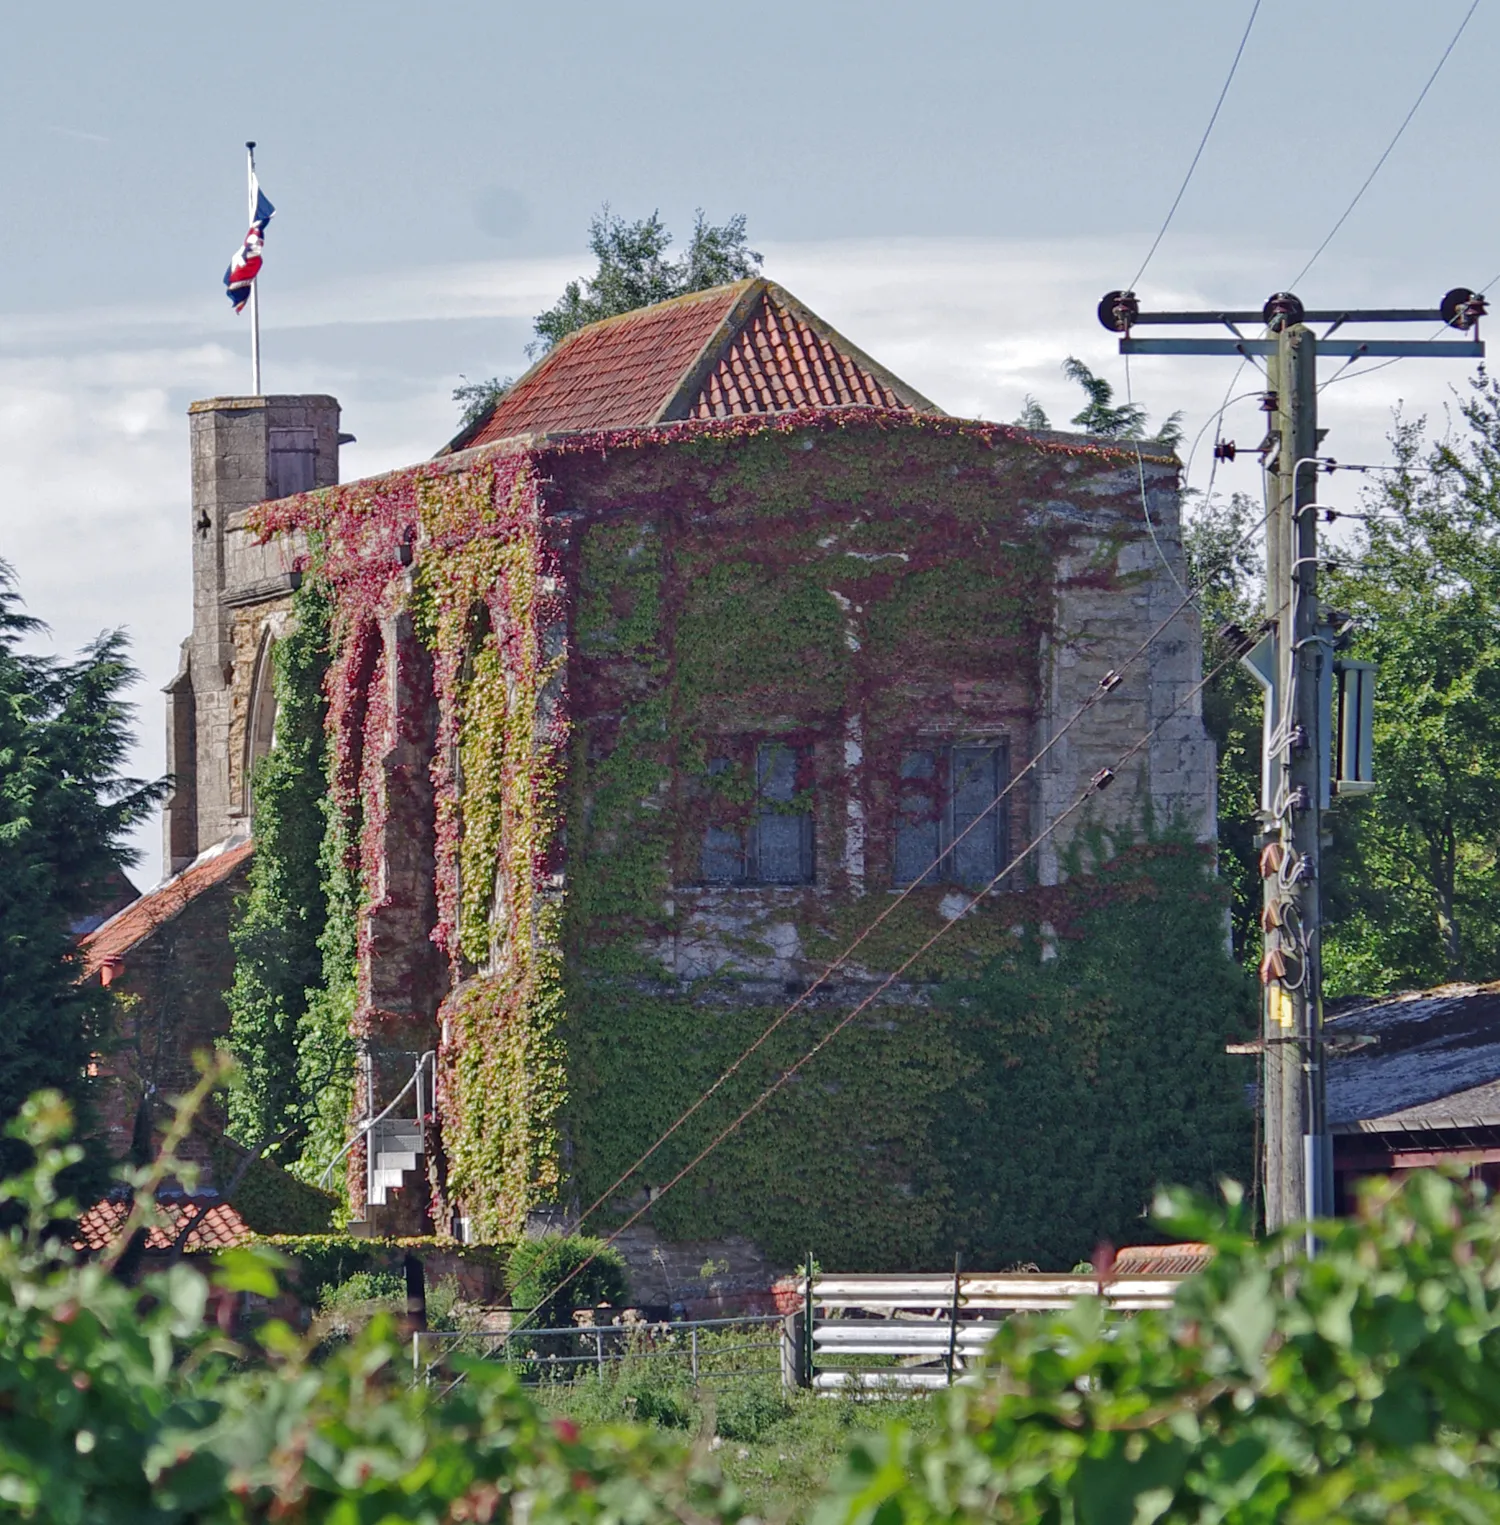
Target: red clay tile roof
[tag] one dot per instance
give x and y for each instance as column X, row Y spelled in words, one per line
column 1162, row 1259
column 778, row 361
column 216, row 1226
column 746, row 348
column 157, row 907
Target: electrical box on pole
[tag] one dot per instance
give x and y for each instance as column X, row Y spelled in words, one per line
column 1317, row 740
column 1354, row 726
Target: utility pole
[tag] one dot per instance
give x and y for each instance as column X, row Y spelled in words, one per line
column 1304, row 754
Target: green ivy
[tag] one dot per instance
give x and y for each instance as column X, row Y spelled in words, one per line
column 282, row 917
column 1096, row 1075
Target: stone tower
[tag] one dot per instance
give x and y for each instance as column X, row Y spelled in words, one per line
column 221, row 706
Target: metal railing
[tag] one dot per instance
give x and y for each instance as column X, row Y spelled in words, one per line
column 429, row 1058
column 901, row 1334
column 697, row 1350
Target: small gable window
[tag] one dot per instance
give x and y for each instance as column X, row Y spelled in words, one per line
column 769, row 840
column 945, row 831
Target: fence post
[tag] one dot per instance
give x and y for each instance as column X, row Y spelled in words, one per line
column 695, row 1357
column 599, row 1350
column 809, row 1372
column 958, row 1262
column 791, row 1351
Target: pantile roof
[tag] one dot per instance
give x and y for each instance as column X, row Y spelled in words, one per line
column 216, row 1225
column 157, row 907
column 729, row 351
column 1162, row 1259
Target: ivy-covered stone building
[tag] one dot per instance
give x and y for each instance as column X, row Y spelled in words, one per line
column 706, row 652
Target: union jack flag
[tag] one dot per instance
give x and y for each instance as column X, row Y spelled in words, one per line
column 246, row 263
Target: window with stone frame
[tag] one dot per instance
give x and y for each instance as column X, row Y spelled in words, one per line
column 946, row 832
column 760, row 830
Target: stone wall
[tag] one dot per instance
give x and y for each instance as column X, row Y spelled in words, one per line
column 1100, row 627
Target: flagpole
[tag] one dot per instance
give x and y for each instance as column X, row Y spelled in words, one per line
column 254, row 286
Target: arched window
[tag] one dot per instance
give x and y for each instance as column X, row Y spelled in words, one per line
column 260, row 717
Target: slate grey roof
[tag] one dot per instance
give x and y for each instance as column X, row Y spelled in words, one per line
column 1436, row 1063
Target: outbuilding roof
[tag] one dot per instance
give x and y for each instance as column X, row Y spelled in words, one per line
column 110, row 942
column 216, row 1225
column 1435, row 1061
column 730, row 351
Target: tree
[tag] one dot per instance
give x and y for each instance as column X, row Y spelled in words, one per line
column 476, row 398
column 1033, row 415
column 635, row 270
column 65, row 816
column 1103, row 416
column 1417, row 897
column 1225, row 565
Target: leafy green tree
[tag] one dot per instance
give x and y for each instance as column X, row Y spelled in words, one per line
column 1225, row 563
column 635, row 270
column 1417, row 896
column 1362, row 1386
column 65, row 815
column 1103, row 416
column 1033, row 415
column 476, row 398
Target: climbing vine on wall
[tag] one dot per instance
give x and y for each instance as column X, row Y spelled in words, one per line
column 280, row 921
column 844, row 579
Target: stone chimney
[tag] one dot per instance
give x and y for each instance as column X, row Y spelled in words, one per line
column 245, row 450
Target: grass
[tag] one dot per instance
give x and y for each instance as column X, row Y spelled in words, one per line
column 779, row 1447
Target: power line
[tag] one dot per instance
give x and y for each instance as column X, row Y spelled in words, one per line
column 1140, row 471
column 1405, row 122
column 1202, row 144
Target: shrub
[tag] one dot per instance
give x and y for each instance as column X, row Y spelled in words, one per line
column 121, row 1403
column 539, row 1266
column 746, row 1410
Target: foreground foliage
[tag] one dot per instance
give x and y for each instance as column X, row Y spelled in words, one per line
column 122, row 1403
column 1364, row 1385
column 1361, row 1386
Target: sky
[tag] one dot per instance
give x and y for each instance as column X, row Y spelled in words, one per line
column 952, row 186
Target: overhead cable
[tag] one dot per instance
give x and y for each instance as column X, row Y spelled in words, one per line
column 1202, row 144
column 1405, row 122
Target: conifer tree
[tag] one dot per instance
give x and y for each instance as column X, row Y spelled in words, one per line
column 65, row 815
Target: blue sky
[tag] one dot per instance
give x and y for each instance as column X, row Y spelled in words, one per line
column 952, row 185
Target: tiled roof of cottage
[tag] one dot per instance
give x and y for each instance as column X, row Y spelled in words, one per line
column 216, row 1225
column 157, row 907
column 733, row 350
